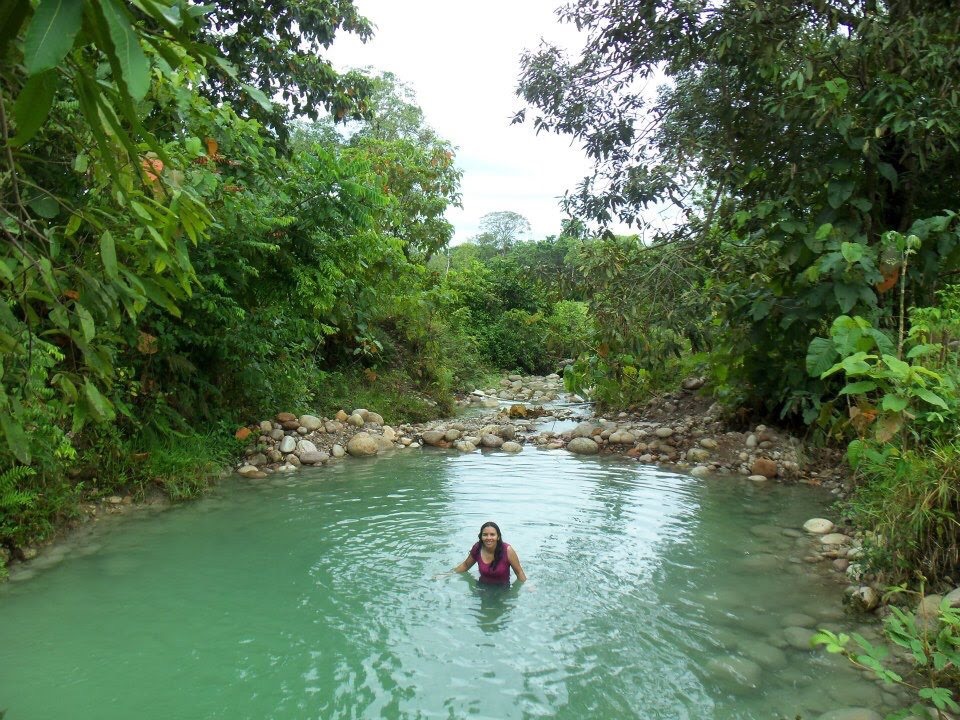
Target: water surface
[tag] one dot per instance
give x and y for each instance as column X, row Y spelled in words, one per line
column 314, row 596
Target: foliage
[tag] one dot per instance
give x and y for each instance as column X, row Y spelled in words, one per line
column 789, row 138
column 910, row 500
column 935, row 656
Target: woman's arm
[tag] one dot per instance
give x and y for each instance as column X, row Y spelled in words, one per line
column 515, row 564
column 465, row 565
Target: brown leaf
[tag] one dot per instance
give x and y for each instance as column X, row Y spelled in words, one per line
column 147, row 343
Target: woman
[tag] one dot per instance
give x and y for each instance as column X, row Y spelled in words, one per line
column 493, row 557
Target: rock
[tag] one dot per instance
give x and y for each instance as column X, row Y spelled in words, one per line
column 293, row 460
column 242, row 433
column 257, row 459
column 341, row 416
column 288, row 444
column 798, row 637
column 285, row 417
column 389, row 433
column 287, row 468
column 314, row 458
column 356, row 420
column 362, row 412
column 115, row 500
column 736, row 673
column 383, row 443
column 451, row 435
column 697, row 454
column 434, row 437
column 305, row 446
column 763, row 654
column 274, row 455
column 928, row 613
column 622, row 437
column 863, row 598
column 757, row 478
column 583, row 446
column 693, row 383
column 853, row 713
column 338, row 451
column 708, row 443
column 374, row 418
column 248, row 470
column 507, row 432
column 333, row 426
column 799, row 620
column 583, row 430
column 265, row 427
column 491, row 441
column 362, row 444
column 835, row 539
column 277, row 434
column 290, row 424
column 511, row 447
column 517, row 411
column 765, row 467
column 311, row 422
column 953, row 597
column 818, row 526
column 465, row 446
column 663, row 432
column 698, row 472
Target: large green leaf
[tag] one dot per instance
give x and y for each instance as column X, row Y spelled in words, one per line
column 846, row 295
column 16, row 437
column 820, row 356
column 932, row 398
column 51, row 33
column 108, row 254
column 851, row 251
column 839, row 191
column 859, row 388
column 134, row 65
column 12, row 15
column 33, row 105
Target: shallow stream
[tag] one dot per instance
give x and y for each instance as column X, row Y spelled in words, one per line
column 651, row 595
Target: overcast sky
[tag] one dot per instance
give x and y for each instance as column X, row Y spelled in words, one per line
column 462, row 61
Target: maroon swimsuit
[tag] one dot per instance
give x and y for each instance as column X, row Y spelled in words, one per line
column 498, row 574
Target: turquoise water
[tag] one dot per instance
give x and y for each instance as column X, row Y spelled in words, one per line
column 314, row 596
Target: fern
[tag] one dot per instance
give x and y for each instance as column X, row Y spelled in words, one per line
column 11, row 497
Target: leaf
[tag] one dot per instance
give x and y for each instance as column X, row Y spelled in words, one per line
column 45, row 206
column 932, row 398
column 839, row 191
column 894, row 403
column 86, row 323
column 820, row 356
column 12, row 15
column 859, row 388
column 257, row 94
column 16, row 437
column 50, row 34
column 846, row 295
column 851, row 252
column 862, row 204
column 823, row 231
column 134, row 65
column 108, row 254
column 922, row 350
column 98, row 403
column 887, row 170
column 33, row 105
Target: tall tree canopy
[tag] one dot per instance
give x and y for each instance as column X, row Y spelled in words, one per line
column 792, row 136
column 503, row 229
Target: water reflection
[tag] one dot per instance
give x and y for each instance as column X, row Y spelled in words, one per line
column 495, row 602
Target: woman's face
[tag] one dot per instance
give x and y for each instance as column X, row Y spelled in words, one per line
column 489, row 537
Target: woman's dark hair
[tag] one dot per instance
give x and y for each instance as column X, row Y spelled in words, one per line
column 498, row 551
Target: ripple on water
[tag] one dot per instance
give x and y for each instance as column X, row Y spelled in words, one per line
column 652, row 595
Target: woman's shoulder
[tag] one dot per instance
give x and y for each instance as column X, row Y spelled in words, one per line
column 475, row 550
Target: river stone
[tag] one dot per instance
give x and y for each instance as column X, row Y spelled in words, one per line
column 248, row 470
column 464, row 446
column 663, row 432
column 382, row 442
column 265, row 427
column 258, row 459
column 284, row 417
column 274, row 455
column 374, row 418
column 818, row 526
column 314, row 458
column 763, row 654
column 433, row 437
column 708, row 443
column 451, row 435
column 293, row 460
column 362, row 445
column 507, row 432
column 853, row 713
column 341, row 416
column 583, row 446
column 338, row 451
column 356, row 420
column 311, row 422
column 511, row 447
column 305, row 446
column 362, row 412
column 953, row 597
column 757, row 478
column 491, row 441
column 276, row 434
column 389, row 433
column 332, row 426
column 583, row 430
column 622, row 437
column 835, row 539
column 288, row 444
column 697, row 454
column 287, row 468
column 798, row 620
column 765, row 467
column 760, row 562
column 698, row 472
column 798, row 637
column 735, row 673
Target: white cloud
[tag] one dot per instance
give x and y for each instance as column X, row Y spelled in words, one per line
column 463, row 61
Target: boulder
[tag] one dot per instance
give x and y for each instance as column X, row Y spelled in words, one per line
column 818, row 526
column 491, row 441
column 434, row 437
column 288, row 444
column 583, row 430
column 697, row 454
column 314, row 458
column 356, row 420
column 583, row 446
column 465, row 446
column 383, row 443
column 699, row 471
column 511, row 447
column 305, row 446
column 663, row 432
column 362, row 412
column 341, row 416
column 285, row 417
column 765, row 467
column 451, row 435
column 374, row 418
column 249, row 470
column 835, row 539
column 737, row 674
column 338, row 451
column 311, row 422
column 622, row 437
column 362, row 445
column 265, row 427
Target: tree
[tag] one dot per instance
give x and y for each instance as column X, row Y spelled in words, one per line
column 791, row 136
column 501, row 230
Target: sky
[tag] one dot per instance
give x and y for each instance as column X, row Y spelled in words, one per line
column 462, row 60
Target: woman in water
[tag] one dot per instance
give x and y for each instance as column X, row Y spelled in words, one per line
column 493, row 557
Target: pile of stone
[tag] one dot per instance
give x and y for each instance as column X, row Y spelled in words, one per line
column 520, row 388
